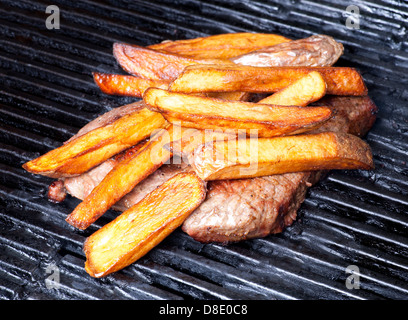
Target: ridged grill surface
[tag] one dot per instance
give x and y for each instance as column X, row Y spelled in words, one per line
column 350, row 218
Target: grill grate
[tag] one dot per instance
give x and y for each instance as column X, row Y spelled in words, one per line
column 350, row 218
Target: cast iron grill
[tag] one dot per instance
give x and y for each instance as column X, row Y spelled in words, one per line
column 350, row 218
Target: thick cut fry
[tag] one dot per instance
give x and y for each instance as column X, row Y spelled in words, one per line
column 221, row 46
column 234, row 95
column 92, row 148
column 124, row 177
column 210, row 113
column 210, row 78
column 156, row 65
column 124, row 85
column 132, row 86
column 247, row 158
column 140, row 228
column 307, row 89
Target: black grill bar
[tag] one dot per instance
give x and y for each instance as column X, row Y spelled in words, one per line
column 350, row 218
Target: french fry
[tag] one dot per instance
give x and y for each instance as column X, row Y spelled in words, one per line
column 125, row 85
column 211, row 113
column 132, row 86
column 124, row 177
column 155, row 65
column 234, row 95
column 302, row 92
column 92, row 148
column 221, row 46
column 139, row 229
column 248, row 158
column 221, row 78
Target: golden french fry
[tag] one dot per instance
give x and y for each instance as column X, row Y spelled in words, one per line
column 211, row 113
column 140, row 228
column 155, row 65
column 124, row 177
column 125, row 85
column 221, row 78
column 221, row 46
column 92, row 148
column 235, row 95
column 302, row 92
column 247, row 158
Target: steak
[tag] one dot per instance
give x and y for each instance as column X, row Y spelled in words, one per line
column 241, row 209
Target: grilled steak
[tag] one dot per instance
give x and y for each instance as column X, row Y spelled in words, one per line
column 236, row 209
column 248, row 208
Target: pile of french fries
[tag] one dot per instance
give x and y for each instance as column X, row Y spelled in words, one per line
column 196, row 104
